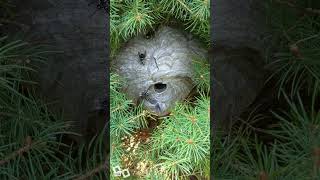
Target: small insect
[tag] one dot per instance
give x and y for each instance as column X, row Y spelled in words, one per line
column 149, row 34
column 146, row 96
column 102, row 4
column 142, row 57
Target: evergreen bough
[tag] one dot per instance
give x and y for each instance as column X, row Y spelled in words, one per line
column 32, row 139
column 30, row 136
column 178, row 146
column 131, row 17
column 287, row 147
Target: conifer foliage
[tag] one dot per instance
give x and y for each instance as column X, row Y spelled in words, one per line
column 31, row 144
column 175, row 149
column 287, row 146
column 149, row 147
column 175, row 146
column 131, row 17
column 31, row 137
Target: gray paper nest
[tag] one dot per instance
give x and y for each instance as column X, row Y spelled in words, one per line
column 158, row 70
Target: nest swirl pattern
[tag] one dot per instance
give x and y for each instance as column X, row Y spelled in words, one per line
column 158, row 71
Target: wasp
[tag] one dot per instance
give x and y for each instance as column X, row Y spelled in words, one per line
column 142, row 57
column 149, row 34
column 103, row 4
column 146, row 96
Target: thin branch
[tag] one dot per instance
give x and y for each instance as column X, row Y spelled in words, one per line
column 91, row 173
column 308, row 38
column 19, row 152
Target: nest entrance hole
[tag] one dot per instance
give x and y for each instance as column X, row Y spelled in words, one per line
column 160, row 87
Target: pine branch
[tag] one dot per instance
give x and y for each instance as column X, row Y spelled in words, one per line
column 19, row 152
column 184, row 5
column 130, row 18
column 316, row 160
column 99, row 168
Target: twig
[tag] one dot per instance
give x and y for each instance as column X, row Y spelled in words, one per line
column 254, row 128
column 308, row 10
column 263, row 176
column 19, row 152
column 295, row 49
column 308, row 38
column 101, row 167
column 316, row 155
